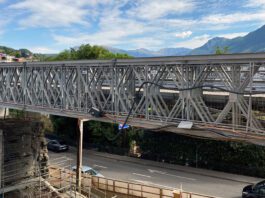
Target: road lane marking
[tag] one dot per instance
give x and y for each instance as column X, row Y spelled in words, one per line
column 156, row 171
column 141, row 181
column 167, row 174
column 181, row 177
column 100, row 166
column 141, row 175
column 150, row 183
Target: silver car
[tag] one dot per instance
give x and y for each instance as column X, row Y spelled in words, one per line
column 88, row 170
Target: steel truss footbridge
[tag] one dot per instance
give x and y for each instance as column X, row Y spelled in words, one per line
column 142, row 86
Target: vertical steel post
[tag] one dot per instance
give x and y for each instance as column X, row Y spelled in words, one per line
column 24, row 82
column 79, row 94
column 249, row 118
column 79, row 155
column 1, row 156
column 62, row 84
column 145, row 93
column 183, row 100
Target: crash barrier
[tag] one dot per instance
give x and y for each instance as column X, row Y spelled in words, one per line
column 59, row 176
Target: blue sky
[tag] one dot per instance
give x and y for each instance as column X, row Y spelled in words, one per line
column 49, row 26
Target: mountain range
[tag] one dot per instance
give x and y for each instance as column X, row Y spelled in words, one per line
column 252, row 42
column 142, row 52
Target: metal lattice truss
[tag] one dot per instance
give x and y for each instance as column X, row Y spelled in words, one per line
column 73, row 88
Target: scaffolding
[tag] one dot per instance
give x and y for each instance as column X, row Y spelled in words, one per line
column 42, row 181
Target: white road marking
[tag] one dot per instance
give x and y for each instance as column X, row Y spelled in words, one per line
column 141, row 181
column 167, row 174
column 156, row 171
column 188, row 178
column 150, row 183
column 141, row 175
column 100, row 166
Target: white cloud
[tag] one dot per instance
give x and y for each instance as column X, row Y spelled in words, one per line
column 174, row 23
column 113, row 36
column 113, row 29
column 194, row 42
column 99, row 38
column 111, row 20
column 233, row 35
column 141, row 23
column 50, row 13
column 255, row 3
column 43, row 50
column 154, row 9
column 233, row 18
column 213, row 22
column 184, row 34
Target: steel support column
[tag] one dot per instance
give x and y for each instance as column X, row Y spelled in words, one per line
column 79, row 160
column 1, row 156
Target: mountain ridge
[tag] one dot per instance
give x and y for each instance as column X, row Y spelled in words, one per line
column 142, row 52
column 250, row 43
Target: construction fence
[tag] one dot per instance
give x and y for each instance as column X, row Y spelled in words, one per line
column 59, row 176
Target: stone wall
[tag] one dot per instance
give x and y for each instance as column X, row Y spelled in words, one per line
column 4, row 112
column 25, row 153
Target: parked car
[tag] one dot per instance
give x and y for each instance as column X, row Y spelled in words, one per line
column 57, row 146
column 88, row 170
column 254, row 190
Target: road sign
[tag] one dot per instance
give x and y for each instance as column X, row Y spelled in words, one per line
column 126, row 126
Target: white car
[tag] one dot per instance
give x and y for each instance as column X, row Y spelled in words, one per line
column 88, row 170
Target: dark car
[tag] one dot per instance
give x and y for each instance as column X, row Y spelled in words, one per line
column 254, row 190
column 55, row 145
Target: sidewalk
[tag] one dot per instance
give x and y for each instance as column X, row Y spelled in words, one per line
column 198, row 171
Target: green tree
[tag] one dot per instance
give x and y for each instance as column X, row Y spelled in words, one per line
column 221, row 50
column 65, row 55
column 86, row 52
column 65, row 127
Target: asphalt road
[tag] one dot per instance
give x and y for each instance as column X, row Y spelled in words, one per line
column 164, row 177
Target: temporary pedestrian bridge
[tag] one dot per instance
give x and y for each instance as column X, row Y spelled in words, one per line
column 137, row 91
column 75, row 88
